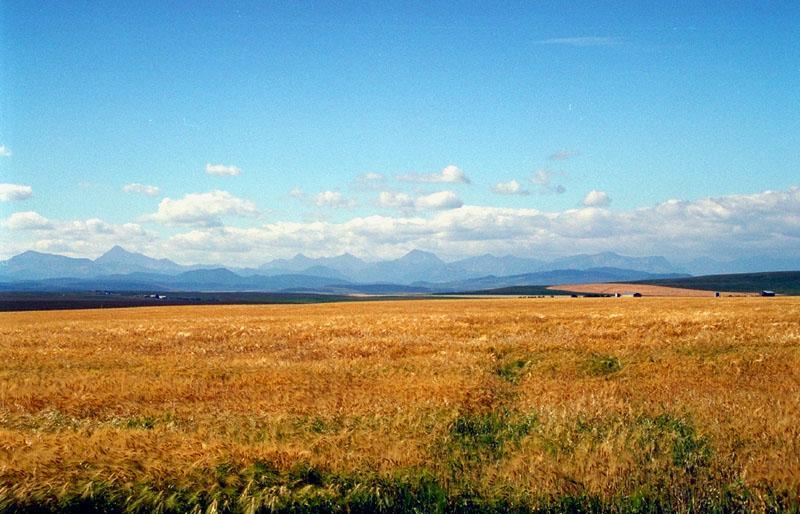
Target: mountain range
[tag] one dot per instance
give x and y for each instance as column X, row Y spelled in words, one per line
column 416, row 271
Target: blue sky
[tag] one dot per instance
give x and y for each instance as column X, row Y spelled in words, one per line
column 602, row 113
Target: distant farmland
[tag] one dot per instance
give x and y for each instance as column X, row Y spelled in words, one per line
column 407, row 406
column 782, row 282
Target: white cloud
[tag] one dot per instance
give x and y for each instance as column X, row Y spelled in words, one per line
column 141, row 189
column 14, row 192
column 512, row 187
column 4, row 151
column 297, row 193
column 393, row 200
column 440, row 200
column 27, row 220
column 333, row 199
column 222, row 170
column 762, row 223
column 78, row 238
column 201, row 209
column 766, row 223
column 450, row 175
column 595, row 198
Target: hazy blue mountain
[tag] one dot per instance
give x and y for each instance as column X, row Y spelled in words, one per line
column 32, row 265
column 414, row 266
column 196, row 280
column 346, row 265
column 314, row 271
column 547, row 278
column 325, row 272
column 415, row 271
column 489, row 264
column 119, row 260
column 225, row 280
column 653, row 264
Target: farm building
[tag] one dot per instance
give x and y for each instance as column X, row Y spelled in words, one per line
column 767, row 293
column 632, row 294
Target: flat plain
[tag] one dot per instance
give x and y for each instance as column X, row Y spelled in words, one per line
column 588, row 404
column 644, row 289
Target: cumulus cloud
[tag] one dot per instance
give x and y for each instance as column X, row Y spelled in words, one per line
column 393, row 200
column 80, row 238
column 27, row 220
column 297, row 193
column 334, row 200
column 563, row 155
column 222, row 170
column 766, row 223
column 141, row 189
column 14, row 192
column 512, row 187
column 450, row 175
column 731, row 225
column 440, row 200
column 595, row 198
column 201, row 209
column 5, row 151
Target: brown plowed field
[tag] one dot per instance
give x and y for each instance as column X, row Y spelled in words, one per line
column 646, row 290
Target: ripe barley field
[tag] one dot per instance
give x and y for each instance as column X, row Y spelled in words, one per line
column 490, row 405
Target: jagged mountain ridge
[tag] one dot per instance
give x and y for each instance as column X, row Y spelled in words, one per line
column 415, row 267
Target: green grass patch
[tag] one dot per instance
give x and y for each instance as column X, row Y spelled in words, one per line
column 602, row 365
column 674, row 437
column 512, row 370
column 481, row 437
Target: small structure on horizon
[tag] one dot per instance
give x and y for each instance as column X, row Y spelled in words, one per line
column 717, row 294
column 632, row 294
column 767, row 293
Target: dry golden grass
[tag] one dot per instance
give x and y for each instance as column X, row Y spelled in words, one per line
column 673, row 400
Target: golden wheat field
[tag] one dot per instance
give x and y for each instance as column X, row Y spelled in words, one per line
column 653, row 404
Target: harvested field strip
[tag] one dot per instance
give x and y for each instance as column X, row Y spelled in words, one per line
column 644, row 289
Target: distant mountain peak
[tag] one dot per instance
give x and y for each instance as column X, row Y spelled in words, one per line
column 119, row 260
column 116, row 251
column 420, row 256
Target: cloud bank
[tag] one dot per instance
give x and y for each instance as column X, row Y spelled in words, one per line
column 766, row 223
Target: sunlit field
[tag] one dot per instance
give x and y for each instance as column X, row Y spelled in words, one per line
column 631, row 404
